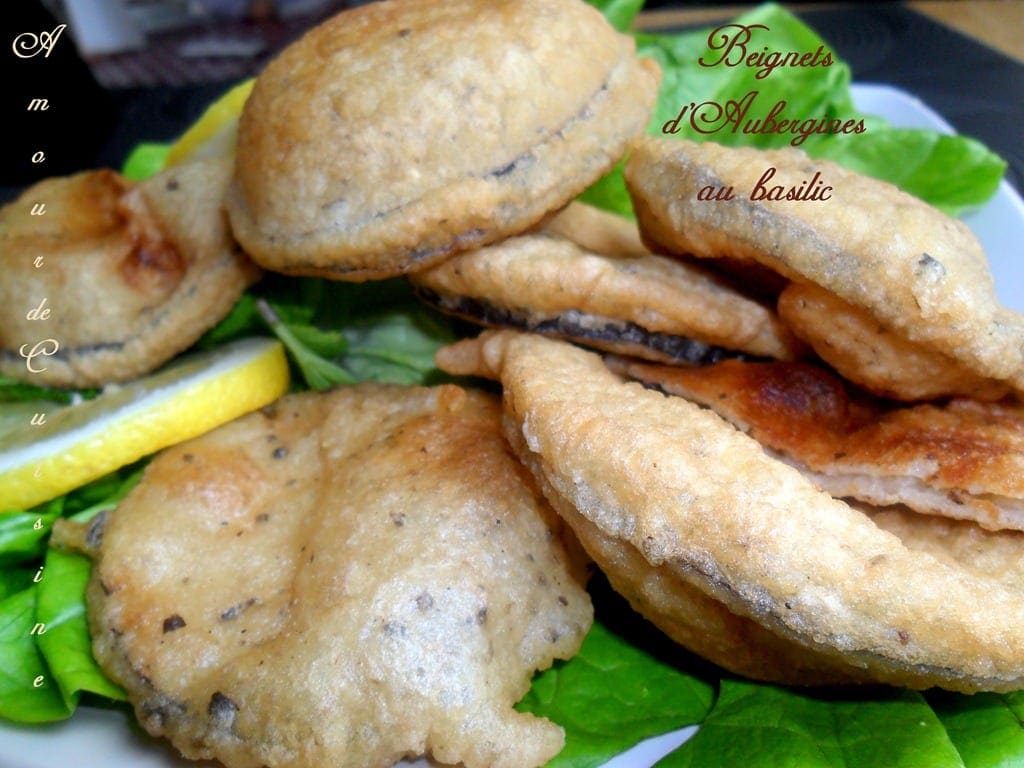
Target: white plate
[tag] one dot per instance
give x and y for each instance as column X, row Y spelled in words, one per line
column 109, row 739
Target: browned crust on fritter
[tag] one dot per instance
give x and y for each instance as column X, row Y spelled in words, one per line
column 970, row 454
column 132, row 274
column 686, row 613
column 399, row 133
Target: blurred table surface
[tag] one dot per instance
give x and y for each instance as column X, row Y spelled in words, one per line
column 996, row 23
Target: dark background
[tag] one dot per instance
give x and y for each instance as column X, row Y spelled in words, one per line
column 977, row 89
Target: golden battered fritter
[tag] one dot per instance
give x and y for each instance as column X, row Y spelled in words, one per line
column 962, row 459
column 645, row 305
column 850, row 340
column 399, row 133
column 131, row 275
column 705, row 504
column 920, row 274
column 687, row 614
column 341, row 579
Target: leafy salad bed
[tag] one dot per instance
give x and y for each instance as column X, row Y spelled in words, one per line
column 627, row 683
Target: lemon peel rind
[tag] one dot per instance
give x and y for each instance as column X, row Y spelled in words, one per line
column 168, row 415
column 220, row 113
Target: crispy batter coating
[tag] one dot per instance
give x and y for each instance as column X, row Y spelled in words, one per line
column 131, row 275
column 707, row 627
column 993, row 555
column 645, row 305
column 850, row 340
column 341, row 579
column 686, row 613
column 920, row 274
column 597, row 230
column 962, row 459
column 704, row 502
column 399, row 133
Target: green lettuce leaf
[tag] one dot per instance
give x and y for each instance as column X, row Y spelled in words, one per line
column 145, row 160
column 317, row 371
column 953, row 173
column 344, row 333
column 397, row 345
column 14, row 579
column 613, row 694
column 754, row 725
column 609, row 192
column 23, row 534
column 985, row 728
column 14, row 391
column 66, row 645
column 620, row 13
column 809, row 92
column 60, row 651
column 243, row 320
column 21, row 664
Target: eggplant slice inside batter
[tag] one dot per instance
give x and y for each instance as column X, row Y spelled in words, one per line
column 636, row 304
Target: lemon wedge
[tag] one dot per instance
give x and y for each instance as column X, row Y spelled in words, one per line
column 214, row 133
column 79, row 443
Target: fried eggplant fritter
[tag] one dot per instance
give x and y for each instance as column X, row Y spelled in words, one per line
column 850, row 340
column 342, row 579
column 131, row 274
column 703, row 502
column 688, row 614
column 395, row 135
column 645, row 305
column 962, row 459
column 919, row 273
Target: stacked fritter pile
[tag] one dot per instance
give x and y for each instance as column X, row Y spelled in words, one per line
column 719, row 510
column 351, row 577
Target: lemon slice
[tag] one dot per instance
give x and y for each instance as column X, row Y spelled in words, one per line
column 79, row 443
column 214, row 133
